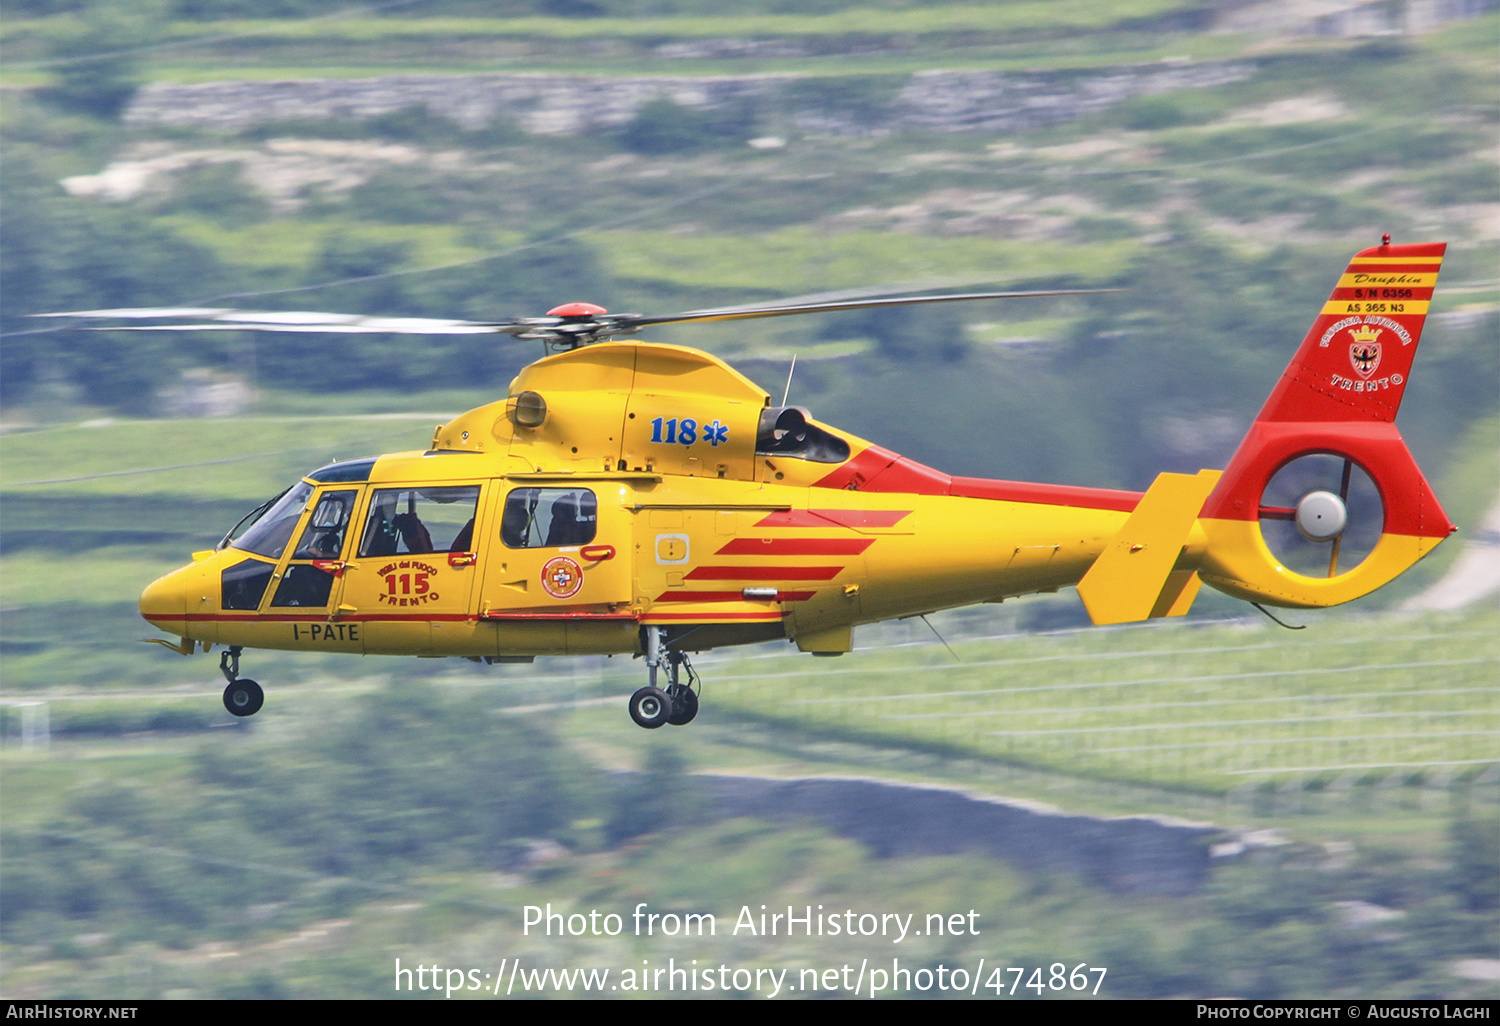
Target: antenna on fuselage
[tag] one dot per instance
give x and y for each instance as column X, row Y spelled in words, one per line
column 790, row 371
column 944, row 640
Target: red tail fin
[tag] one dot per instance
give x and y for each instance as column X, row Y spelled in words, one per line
column 1355, row 361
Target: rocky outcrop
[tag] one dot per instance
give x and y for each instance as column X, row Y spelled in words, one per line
column 542, row 104
column 943, row 101
column 1347, row 17
column 964, row 101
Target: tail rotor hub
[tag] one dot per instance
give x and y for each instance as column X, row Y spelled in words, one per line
column 1321, row 516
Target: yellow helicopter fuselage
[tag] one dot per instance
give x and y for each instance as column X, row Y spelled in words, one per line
column 699, row 519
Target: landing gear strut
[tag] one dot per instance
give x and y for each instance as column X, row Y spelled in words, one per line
column 241, row 697
column 684, row 698
column 652, row 706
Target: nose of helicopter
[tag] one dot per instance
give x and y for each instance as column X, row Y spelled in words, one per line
column 165, row 600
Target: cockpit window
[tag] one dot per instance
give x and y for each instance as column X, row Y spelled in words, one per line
column 323, row 537
column 269, row 534
column 785, row 431
column 338, row 473
column 243, row 585
column 549, row 518
column 403, row 520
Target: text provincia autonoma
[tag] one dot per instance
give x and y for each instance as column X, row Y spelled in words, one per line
column 807, row 921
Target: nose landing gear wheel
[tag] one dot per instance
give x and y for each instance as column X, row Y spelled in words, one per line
column 684, row 704
column 650, row 707
column 243, row 697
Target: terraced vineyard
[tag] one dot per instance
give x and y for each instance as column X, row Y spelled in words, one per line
column 1211, row 707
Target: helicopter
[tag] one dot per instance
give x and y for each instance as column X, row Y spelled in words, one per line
column 633, row 498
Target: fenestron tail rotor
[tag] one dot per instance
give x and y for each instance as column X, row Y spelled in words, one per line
column 1321, row 515
column 563, row 327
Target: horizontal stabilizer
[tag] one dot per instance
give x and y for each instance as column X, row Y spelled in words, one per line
column 1134, row 579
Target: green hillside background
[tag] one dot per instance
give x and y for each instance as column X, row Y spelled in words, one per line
column 382, row 809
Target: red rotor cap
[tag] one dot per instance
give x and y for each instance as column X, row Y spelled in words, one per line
column 576, row 310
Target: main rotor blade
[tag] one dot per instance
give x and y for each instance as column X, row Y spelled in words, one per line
column 565, row 329
column 738, row 313
column 288, row 320
column 146, row 311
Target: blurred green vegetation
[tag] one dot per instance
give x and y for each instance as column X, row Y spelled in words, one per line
column 416, row 824
column 367, row 800
column 389, row 808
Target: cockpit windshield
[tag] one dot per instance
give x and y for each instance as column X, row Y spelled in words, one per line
column 267, row 535
column 247, row 521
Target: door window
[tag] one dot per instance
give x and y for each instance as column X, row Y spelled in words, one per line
column 418, row 520
column 323, row 537
column 549, row 518
column 306, row 584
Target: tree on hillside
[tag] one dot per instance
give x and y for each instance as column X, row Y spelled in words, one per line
column 96, row 66
column 60, row 253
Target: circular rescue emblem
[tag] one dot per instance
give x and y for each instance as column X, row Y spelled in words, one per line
column 561, row 578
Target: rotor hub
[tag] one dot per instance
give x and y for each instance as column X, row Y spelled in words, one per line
column 580, row 310
column 1321, row 516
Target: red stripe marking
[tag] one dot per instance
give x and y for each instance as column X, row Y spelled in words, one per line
column 796, row 547
column 312, row 618
column 793, row 518
column 826, row 518
column 862, row 467
column 730, row 596
column 906, row 475
column 1047, row 494
column 710, row 617
column 863, row 517
column 880, row 470
column 383, row 617
column 1351, row 292
column 875, row 469
column 557, row 616
column 764, row 573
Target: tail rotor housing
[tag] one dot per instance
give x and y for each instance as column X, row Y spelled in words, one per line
column 1323, row 502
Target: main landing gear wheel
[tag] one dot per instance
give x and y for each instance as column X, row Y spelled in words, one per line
column 678, row 704
column 684, row 704
column 243, row 697
column 650, row 707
